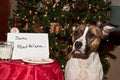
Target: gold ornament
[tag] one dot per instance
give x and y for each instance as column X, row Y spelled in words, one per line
column 37, row 28
column 62, row 66
column 23, row 18
column 17, row 14
column 56, row 43
column 46, row 8
column 45, row 15
column 62, row 15
column 95, row 10
column 55, row 28
column 36, row 12
column 30, row 12
column 33, row 22
column 94, row 17
column 26, row 19
column 90, row 6
column 78, row 18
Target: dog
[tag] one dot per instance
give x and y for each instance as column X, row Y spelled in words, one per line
column 83, row 61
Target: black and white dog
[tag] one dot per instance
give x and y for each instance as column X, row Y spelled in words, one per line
column 84, row 62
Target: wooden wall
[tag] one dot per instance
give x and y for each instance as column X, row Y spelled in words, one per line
column 114, row 72
column 4, row 15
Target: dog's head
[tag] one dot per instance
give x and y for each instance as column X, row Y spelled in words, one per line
column 86, row 39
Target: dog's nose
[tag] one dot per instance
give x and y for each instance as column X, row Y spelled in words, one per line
column 78, row 45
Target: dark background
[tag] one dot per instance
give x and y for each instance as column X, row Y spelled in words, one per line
column 4, row 15
column 114, row 37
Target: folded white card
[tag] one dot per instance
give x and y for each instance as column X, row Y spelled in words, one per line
column 29, row 45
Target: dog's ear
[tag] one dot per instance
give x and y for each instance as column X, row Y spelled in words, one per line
column 107, row 28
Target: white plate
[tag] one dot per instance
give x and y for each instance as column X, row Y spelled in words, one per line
column 33, row 60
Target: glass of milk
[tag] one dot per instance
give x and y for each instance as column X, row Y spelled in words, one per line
column 6, row 50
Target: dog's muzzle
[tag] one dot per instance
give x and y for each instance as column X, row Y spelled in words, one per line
column 77, row 53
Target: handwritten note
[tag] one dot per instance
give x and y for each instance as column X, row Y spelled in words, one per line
column 29, row 45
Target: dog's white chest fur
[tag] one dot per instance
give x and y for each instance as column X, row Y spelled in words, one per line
column 84, row 69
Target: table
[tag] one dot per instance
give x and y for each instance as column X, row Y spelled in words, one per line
column 18, row 70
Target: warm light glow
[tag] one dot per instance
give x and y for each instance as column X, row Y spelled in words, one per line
column 95, row 10
column 33, row 22
column 94, row 17
column 99, row 17
column 45, row 15
column 26, row 19
column 36, row 12
column 78, row 18
column 30, row 12
column 89, row 6
column 23, row 18
column 46, row 8
column 17, row 14
column 62, row 15
column 56, row 43
column 62, row 66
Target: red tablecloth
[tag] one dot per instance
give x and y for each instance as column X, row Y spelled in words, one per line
column 17, row 70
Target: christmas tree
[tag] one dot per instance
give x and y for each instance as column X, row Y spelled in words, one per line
column 57, row 17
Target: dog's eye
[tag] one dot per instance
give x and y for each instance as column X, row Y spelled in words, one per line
column 76, row 33
column 91, row 35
